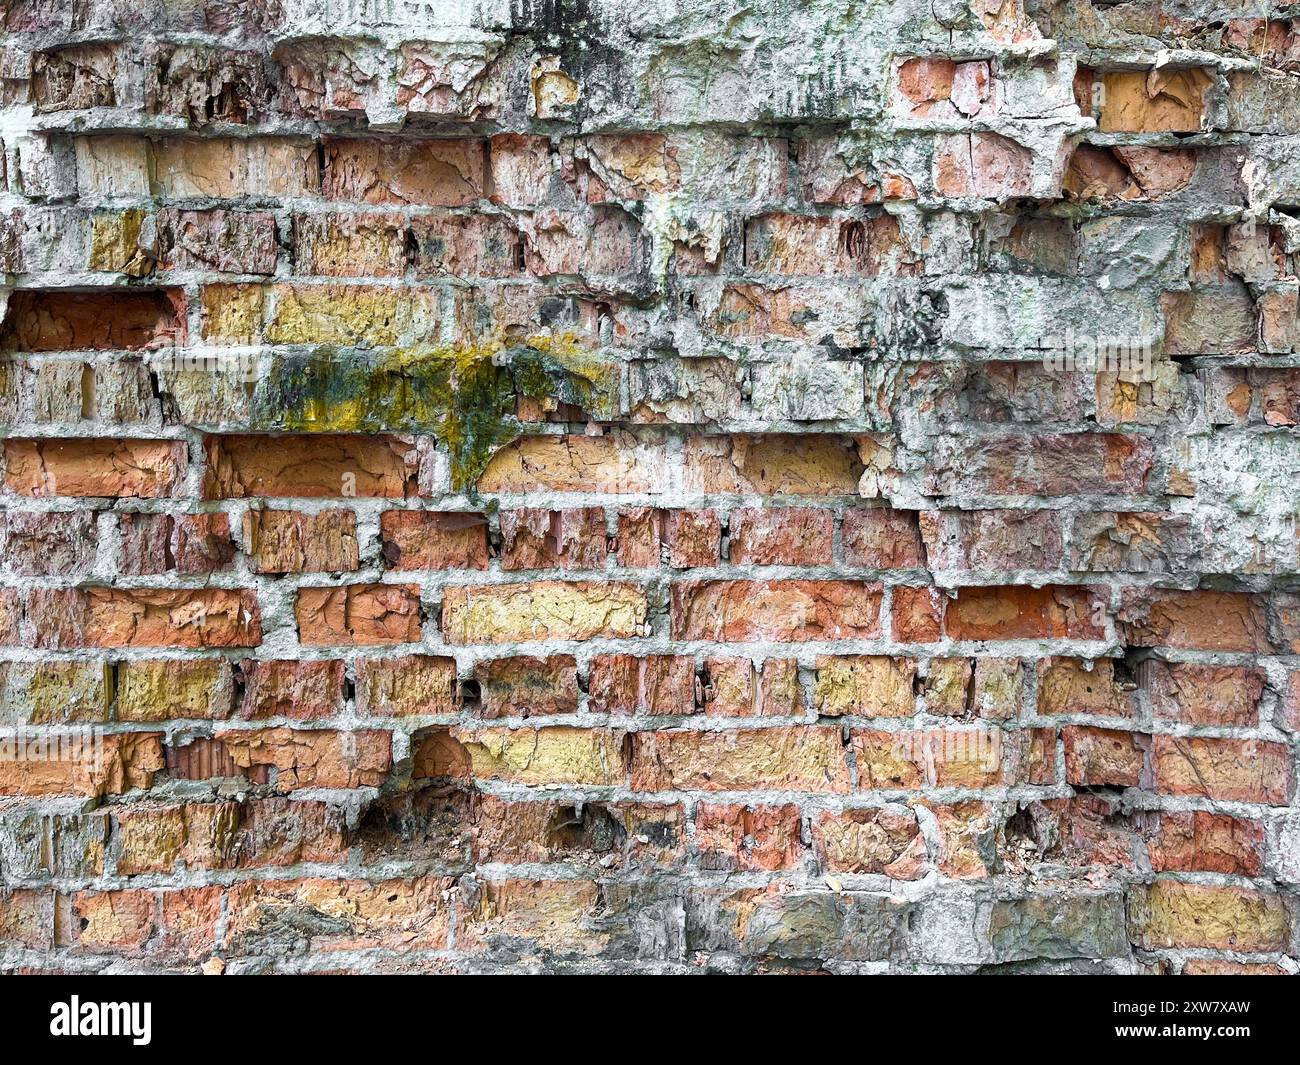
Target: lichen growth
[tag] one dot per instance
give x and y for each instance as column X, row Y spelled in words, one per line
column 467, row 394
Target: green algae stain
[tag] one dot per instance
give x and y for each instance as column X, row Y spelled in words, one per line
column 466, row 394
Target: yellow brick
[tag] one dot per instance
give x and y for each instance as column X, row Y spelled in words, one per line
column 351, row 314
column 867, row 685
column 546, row 610
column 1173, row 914
column 544, row 756
column 167, row 689
column 236, row 167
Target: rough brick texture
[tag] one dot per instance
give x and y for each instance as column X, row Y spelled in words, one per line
column 696, row 487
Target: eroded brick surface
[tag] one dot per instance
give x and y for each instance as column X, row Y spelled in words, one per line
column 554, row 486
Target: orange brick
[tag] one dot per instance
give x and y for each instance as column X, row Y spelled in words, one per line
column 748, row 838
column 738, row 611
column 68, row 320
column 417, row 539
column 1233, row 770
column 1201, row 620
column 146, row 469
column 289, row 759
column 359, row 615
column 287, row 541
column 121, row 617
column 1024, row 613
column 308, row 466
column 654, row 684
column 781, row 536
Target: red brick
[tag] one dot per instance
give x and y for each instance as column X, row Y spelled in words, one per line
column 520, row 166
column 692, row 538
column 419, row 539
column 884, row 840
column 734, row 687
column 967, row 833
column 1046, row 464
column 359, row 615
column 553, row 539
column 126, row 761
column 610, row 463
column 1205, row 695
column 994, row 539
column 142, row 469
column 654, row 684
column 608, row 243
column 687, row 538
column 1199, row 620
column 1192, row 841
column 68, row 320
column 308, row 466
column 596, row 833
column 1099, row 756
column 774, row 464
column 289, row 759
column 1232, row 770
column 437, row 173
column 191, row 922
column 120, row 617
column 1220, row 967
column 918, row 614
column 1024, row 613
column 27, row 918
column 937, row 88
column 290, row 688
column 822, row 246
column 979, row 758
column 738, row 611
column 748, row 838
column 982, row 164
column 632, row 165
column 783, row 536
column 524, row 687
column 467, row 246
column 640, row 533
column 888, row 760
column 201, row 543
column 882, row 539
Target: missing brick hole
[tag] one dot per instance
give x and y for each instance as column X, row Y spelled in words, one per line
column 1137, row 666
column 585, row 827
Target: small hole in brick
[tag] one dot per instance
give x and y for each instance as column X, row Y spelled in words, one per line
column 589, row 827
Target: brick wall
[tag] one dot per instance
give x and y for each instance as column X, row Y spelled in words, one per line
column 574, row 486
